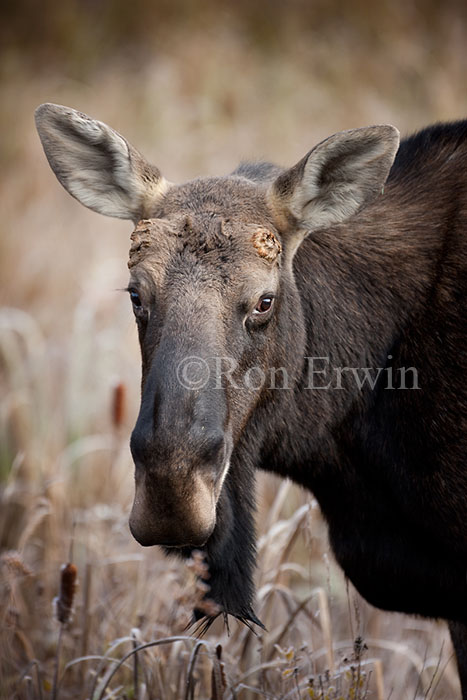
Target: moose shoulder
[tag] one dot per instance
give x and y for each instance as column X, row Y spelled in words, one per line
column 310, row 322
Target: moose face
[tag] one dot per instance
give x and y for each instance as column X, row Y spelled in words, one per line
column 217, row 309
column 207, row 291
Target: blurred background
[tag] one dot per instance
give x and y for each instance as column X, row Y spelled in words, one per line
column 196, row 87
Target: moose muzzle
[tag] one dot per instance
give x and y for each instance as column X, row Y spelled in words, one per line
column 176, row 491
column 173, row 511
column 182, row 441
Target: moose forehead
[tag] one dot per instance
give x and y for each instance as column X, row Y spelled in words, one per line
column 229, row 196
column 221, row 223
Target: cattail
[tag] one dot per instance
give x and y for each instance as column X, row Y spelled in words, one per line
column 63, row 611
column 64, row 601
column 218, row 677
column 118, row 405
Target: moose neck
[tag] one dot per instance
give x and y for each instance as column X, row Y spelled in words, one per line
column 362, row 285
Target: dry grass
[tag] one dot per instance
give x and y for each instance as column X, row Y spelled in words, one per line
column 67, row 340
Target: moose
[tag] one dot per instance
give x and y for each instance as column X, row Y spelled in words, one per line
column 353, row 259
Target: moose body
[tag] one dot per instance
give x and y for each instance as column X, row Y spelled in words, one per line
column 310, row 275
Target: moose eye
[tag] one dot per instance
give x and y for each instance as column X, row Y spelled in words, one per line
column 261, row 314
column 264, row 304
column 137, row 303
column 135, row 298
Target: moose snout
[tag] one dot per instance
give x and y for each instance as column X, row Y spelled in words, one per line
column 177, row 487
column 173, row 513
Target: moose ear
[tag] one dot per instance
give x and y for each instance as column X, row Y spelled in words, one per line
column 96, row 165
column 337, row 178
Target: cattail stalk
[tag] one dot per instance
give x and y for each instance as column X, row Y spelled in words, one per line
column 85, row 619
column 29, row 687
column 134, row 634
column 63, row 612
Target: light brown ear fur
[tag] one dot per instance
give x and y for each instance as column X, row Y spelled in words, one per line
column 337, row 178
column 96, row 165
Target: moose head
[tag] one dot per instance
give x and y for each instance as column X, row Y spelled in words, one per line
column 220, row 320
